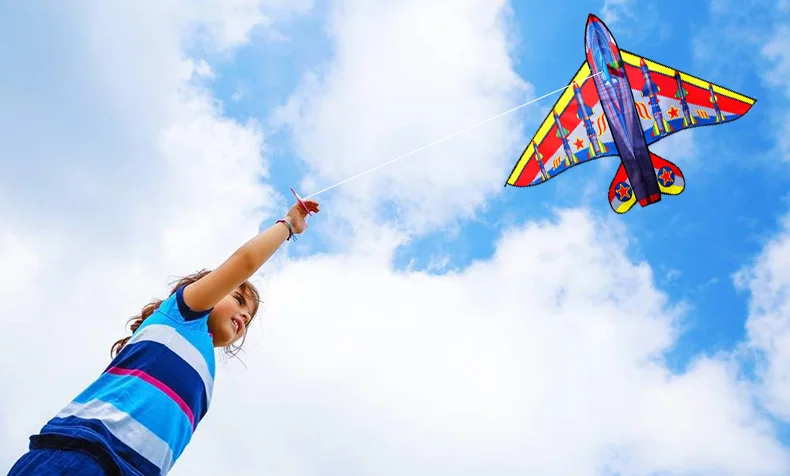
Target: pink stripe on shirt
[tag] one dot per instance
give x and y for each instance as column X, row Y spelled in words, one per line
column 160, row 385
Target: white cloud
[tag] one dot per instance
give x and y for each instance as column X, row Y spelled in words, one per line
column 679, row 148
column 614, row 10
column 632, row 24
column 768, row 283
column 238, row 95
column 748, row 26
column 403, row 76
column 767, row 278
column 203, row 70
column 543, row 360
column 673, row 274
column 777, row 50
column 121, row 174
column 229, row 23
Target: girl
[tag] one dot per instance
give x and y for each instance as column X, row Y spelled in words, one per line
column 139, row 415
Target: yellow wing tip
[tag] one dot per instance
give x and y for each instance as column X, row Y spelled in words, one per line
column 625, row 206
column 671, row 190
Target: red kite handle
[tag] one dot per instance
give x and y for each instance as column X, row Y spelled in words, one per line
column 299, row 199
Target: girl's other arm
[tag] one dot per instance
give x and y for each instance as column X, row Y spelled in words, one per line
column 245, row 261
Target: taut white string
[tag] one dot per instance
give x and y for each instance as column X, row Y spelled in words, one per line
column 444, row 139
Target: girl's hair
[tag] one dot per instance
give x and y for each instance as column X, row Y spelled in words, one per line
column 136, row 321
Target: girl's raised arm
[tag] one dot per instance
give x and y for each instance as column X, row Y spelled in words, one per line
column 205, row 293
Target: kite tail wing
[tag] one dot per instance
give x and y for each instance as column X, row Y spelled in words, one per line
column 621, row 194
column 670, row 179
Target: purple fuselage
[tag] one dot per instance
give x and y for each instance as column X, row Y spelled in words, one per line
column 617, row 101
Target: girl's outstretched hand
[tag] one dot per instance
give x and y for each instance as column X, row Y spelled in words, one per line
column 296, row 215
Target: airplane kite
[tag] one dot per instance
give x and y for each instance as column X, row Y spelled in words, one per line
column 619, row 104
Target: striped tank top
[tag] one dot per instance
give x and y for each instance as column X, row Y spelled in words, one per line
column 145, row 406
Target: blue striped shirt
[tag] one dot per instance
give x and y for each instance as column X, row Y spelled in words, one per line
column 144, row 408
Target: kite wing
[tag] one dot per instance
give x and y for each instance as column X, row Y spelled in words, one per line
column 669, row 101
column 574, row 132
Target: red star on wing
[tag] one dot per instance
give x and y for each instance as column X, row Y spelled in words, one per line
column 622, row 191
column 579, row 143
column 673, row 112
column 666, row 177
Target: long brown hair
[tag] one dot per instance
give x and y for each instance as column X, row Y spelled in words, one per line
column 136, row 321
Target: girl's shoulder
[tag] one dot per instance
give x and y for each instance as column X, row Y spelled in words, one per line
column 178, row 311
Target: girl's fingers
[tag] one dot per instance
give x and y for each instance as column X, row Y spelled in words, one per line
column 306, row 207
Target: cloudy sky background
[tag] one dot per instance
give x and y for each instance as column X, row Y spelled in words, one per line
column 453, row 326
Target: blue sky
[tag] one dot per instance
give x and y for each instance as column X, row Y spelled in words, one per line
column 406, row 360
column 694, row 242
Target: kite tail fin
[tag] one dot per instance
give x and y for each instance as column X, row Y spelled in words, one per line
column 670, row 179
column 621, row 194
column 670, row 182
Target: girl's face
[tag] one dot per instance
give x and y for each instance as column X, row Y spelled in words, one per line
column 229, row 319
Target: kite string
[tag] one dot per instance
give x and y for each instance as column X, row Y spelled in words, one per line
column 445, row 138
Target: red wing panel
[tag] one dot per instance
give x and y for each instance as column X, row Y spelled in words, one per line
column 575, row 131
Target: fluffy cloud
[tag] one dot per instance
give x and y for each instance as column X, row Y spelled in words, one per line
column 768, row 282
column 633, row 22
column 768, row 278
column 120, row 172
column 777, row 51
column 679, row 148
column 614, row 10
column 404, row 76
column 545, row 359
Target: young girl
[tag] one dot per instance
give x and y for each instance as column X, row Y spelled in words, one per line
column 139, row 415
